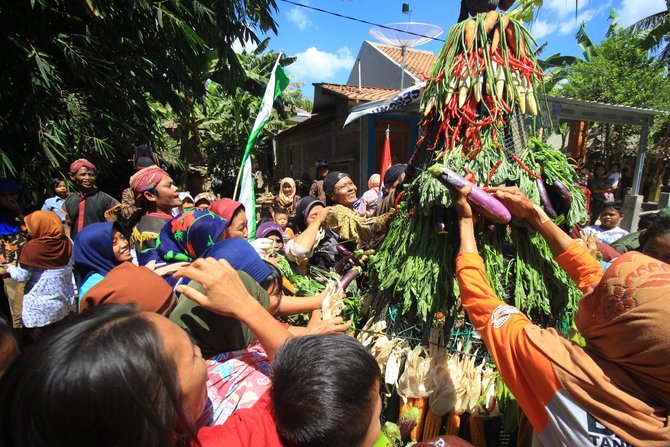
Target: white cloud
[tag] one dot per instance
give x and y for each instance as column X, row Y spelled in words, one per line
column 540, row 29
column 631, row 11
column 560, row 9
column 320, row 65
column 299, row 18
column 559, row 16
column 570, row 25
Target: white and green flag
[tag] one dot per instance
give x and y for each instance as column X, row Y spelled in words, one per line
column 277, row 83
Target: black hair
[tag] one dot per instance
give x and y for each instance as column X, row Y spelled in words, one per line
column 659, row 228
column 273, row 280
column 103, row 378
column 611, row 205
column 323, row 391
column 279, row 211
column 54, row 184
column 238, row 210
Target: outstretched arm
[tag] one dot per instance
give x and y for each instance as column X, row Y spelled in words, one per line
column 572, row 257
column 225, row 294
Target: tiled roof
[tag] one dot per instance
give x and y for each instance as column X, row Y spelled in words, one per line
column 353, row 92
column 417, row 62
column 316, row 120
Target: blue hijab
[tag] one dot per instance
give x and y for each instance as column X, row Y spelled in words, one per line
column 187, row 236
column 93, row 250
column 241, row 256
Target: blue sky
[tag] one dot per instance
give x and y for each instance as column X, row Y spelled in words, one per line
column 326, row 46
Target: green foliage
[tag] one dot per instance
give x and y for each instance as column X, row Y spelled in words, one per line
column 83, row 77
column 225, row 120
column 655, row 33
column 621, row 71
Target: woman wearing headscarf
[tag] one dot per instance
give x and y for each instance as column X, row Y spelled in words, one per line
column 345, row 221
column 370, row 199
column 235, row 214
column 270, row 230
column 98, row 248
column 238, row 367
column 155, row 195
column 130, row 284
column 286, row 199
column 316, row 243
column 45, row 265
column 186, row 237
column 613, row 391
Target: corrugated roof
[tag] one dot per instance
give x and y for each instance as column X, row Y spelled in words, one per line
column 417, row 62
column 353, row 92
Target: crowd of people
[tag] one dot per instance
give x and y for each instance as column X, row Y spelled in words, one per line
column 153, row 320
column 164, row 290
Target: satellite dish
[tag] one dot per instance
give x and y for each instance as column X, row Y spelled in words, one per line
column 404, row 35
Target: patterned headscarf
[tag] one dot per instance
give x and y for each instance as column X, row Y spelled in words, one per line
column 146, row 179
column 621, row 377
column 81, row 163
column 187, row 236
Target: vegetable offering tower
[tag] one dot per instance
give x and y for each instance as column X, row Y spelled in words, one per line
column 483, row 83
column 478, row 107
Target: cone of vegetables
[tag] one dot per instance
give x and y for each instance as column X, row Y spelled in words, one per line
column 485, row 73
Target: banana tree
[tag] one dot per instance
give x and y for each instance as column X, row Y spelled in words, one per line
column 655, row 33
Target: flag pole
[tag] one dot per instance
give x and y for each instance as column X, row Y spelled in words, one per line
column 249, row 146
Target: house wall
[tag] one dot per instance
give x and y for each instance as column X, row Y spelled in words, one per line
column 377, row 70
column 298, row 151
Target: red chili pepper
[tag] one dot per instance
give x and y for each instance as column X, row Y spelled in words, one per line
column 493, row 171
column 525, row 168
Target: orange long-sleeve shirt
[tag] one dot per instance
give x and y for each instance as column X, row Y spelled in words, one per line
column 526, row 370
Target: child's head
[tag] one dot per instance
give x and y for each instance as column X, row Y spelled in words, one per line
column 610, row 216
column 280, row 217
column 273, row 286
column 312, row 391
column 58, row 187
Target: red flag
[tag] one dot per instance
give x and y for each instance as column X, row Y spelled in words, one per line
column 386, row 156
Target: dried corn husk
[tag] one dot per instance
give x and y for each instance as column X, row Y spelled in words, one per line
column 371, row 332
column 393, row 363
column 414, row 380
column 444, row 391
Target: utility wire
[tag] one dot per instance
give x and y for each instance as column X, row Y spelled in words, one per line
column 360, row 20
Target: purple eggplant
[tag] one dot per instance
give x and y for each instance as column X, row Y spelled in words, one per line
column 341, row 249
column 339, row 266
column 561, row 195
column 544, row 199
column 344, row 282
column 486, row 205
